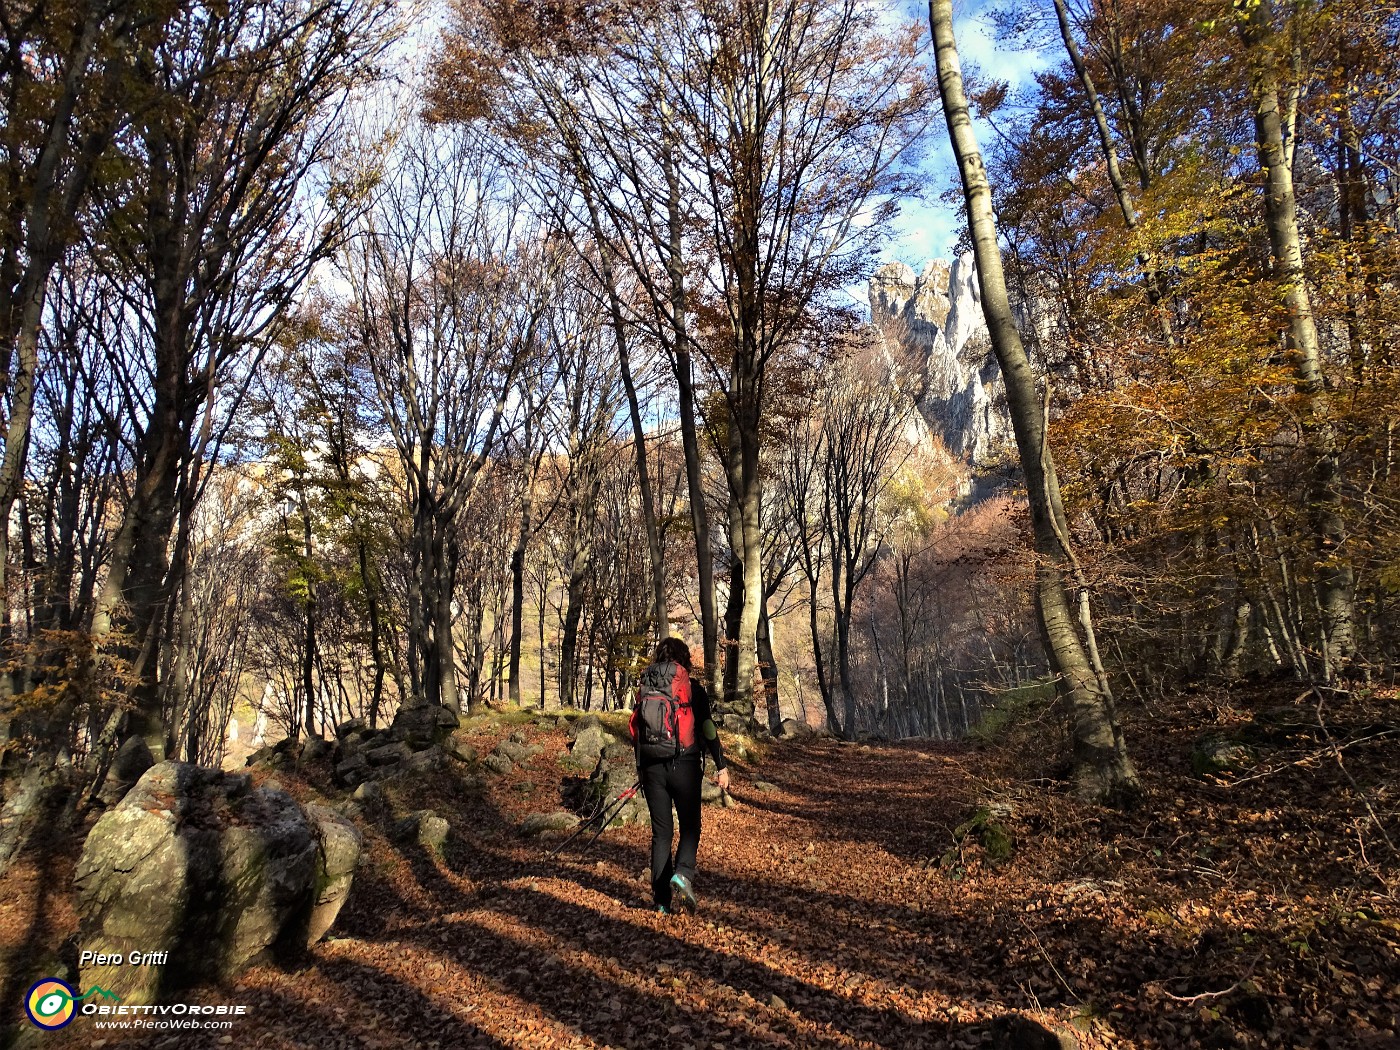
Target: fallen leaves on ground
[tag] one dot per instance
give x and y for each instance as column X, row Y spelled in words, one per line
column 838, row 909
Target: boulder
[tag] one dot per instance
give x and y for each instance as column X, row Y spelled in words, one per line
column 582, row 724
column 354, row 725
column 590, row 743
column 273, row 755
column 620, row 752
column 607, row 782
column 423, row 827
column 1219, row 755
column 358, row 742
column 537, row 823
column 389, row 753
column 316, row 750
column 424, row 726
column 368, row 794
column 792, row 729
column 498, row 764
column 338, row 845
column 1017, row 1032
column 460, row 749
column 763, row 786
column 197, row 863
column 430, row 758
column 515, row 751
column 353, row 770
column 519, row 737
column 132, row 760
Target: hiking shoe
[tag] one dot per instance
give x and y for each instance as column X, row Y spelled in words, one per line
column 661, row 909
column 681, row 886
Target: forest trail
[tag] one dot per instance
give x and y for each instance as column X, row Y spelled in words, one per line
column 827, row 920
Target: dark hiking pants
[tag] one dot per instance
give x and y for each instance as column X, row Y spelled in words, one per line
column 675, row 781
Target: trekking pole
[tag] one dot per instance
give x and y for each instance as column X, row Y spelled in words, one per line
column 621, row 801
column 606, row 818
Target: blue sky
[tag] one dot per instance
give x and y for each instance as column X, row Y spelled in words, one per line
column 926, row 229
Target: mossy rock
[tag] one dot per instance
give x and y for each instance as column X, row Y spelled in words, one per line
column 985, row 827
column 1213, row 755
column 1010, row 708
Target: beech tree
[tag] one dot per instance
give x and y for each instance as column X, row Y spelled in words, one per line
column 1273, row 116
column 214, row 235
column 1102, row 767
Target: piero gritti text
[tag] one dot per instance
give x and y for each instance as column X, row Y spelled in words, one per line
column 117, row 959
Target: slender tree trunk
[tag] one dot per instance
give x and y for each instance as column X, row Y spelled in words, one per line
column 842, row 591
column 1335, row 578
column 375, row 631
column 690, row 442
column 833, row 720
column 660, row 627
column 517, row 601
column 544, row 607
column 308, row 653
column 750, row 509
column 768, row 669
column 446, row 654
column 1102, row 767
column 60, row 178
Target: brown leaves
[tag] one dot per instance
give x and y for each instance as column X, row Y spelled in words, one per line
column 1104, row 922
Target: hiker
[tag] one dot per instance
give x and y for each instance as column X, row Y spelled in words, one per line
column 672, row 728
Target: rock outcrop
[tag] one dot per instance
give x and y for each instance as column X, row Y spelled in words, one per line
column 939, row 315
column 419, row 740
column 612, row 766
column 201, row 865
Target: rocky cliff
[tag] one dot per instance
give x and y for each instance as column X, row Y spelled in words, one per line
column 938, row 315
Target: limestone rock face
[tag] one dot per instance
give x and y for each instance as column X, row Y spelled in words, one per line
column 198, row 863
column 939, row 314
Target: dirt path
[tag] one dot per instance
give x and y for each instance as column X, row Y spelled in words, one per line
column 810, row 894
column 823, row 924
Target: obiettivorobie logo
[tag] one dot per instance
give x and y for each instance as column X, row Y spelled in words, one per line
column 51, row 1003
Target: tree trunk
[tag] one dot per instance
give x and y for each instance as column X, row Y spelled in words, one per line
column 375, row 631
column 690, row 442
column 517, row 602
column 660, row 627
column 446, row 655
column 308, row 653
column 833, row 720
column 1335, row 577
column 768, row 669
column 1102, row 767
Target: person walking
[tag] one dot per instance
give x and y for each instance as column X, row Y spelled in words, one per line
column 672, row 728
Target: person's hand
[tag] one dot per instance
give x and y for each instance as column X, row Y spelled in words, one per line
column 722, row 779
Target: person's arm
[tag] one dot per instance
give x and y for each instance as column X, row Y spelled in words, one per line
column 709, row 732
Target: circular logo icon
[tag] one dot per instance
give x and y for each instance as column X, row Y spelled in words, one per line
column 49, row 1003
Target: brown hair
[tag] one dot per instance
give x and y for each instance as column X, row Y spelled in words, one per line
column 674, row 650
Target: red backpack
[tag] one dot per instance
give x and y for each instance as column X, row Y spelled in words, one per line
column 663, row 722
